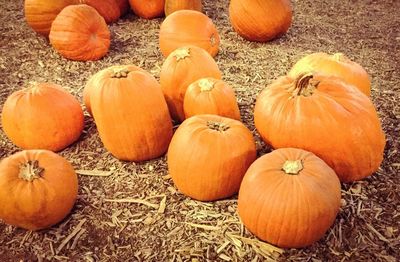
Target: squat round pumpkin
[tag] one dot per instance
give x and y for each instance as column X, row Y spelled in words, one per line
column 42, row 116
column 147, row 8
column 289, row 198
column 324, row 115
column 209, row 155
column 38, row 189
column 175, row 5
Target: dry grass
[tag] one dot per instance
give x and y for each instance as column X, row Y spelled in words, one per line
column 132, row 212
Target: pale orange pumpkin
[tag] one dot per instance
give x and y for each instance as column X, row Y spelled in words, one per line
column 38, row 189
column 181, row 68
column 175, row 5
column 148, row 9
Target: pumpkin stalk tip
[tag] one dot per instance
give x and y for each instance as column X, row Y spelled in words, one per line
column 305, row 85
column 30, row 171
column 181, row 53
column 292, row 167
column 120, row 73
column 206, row 85
column 217, row 126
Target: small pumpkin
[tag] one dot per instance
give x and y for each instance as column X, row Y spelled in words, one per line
column 80, row 33
column 337, row 65
column 130, row 113
column 175, row 5
column 108, row 9
column 38, row 189
column 209, row 155
column 289, row 198
column 260, row 21
column 148, row 9
column 42, row 116
column 324, row 115
column 188, row 27
column 210, row 96
column 181, row 68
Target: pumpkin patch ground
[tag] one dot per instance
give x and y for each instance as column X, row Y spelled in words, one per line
column 133, row 212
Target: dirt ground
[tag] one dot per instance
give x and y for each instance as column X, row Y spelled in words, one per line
column 161, row 224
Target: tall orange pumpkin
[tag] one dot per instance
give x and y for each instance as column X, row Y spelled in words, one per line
column 131, row 114
column 188, row 27
column 181, row 68
column 209, row 155
column 260, row 20
column 80, row 33
column 43, row 116
column 175, row 5
column 38, row 189
column 210, row 96
column 337, row 65
column 324, row 115
column 289, row 198
column 148, row 8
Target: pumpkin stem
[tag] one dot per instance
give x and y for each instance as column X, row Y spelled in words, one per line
column 212, row 40
column 305, row 85
column 181, row 53
column 120, row 73
column 206, row 85
column 340, row 57
column 30, row 170
column 292, row 167
column 218, row 126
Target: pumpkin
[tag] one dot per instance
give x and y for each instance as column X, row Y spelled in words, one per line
column 175, row 5
column 130, row 113
column 42, row 116
column 260, row 21
column 80, row 33
column 108, row 9
column 210, row 96
column 181, row 68
column 123, row 6
column 148, row 9
column 209, row 155
column 289, row 198
column 38, row 189
column 338, row 65
column 188, row 27
column 324, row 115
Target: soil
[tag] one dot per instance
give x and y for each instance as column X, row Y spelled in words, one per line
column 157, row 223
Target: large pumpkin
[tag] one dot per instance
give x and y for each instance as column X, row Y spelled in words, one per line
column 260, row 20
column 43, row 116
column 324, row 115
column 131, row 114
column 175, row 5
column 210, row 96
column 80, row 33
column 108, row 9
column 209, row 155
column 337, row 65
column 123, row 6
column 188, row 27
column 148, row 8
column 289, row 197
column 38, row 189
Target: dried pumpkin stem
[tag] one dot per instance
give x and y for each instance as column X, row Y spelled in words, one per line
column 292, row 167
column 218, row 126
column 305, row 85
column 30, row 170
column 120, row 73
column 340, row 57
column 181, row 53
column 206, row 85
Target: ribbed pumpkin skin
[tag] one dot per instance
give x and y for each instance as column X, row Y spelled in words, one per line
column 211, row 96
column 80, row 33
column 148, row 9
column 181, row 68
column 40, row 203
column 108, row 9
column 131, row 114
column 175, row 5
column 188, row 27
column 43, row 116
column 260, row 20
column 208, row 164
column 337, row 65
column 336, row 122
column 289, row 210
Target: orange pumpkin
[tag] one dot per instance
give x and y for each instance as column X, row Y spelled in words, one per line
column 43, row 116
column 337, row 65
column 108, row 9
column 289, row 197
column 188, row 27
column 80, row 33
column 181, row 68
column 210, row 96
column 123, row 6
column 38, row 189
column 209, row 155
column 175, row 5
column 260, row 20
column 324, row 115
column 131, row 114
column 148, row 9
